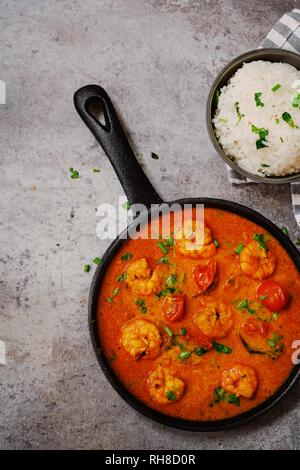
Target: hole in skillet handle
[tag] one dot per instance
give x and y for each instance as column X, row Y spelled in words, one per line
column 96, row 108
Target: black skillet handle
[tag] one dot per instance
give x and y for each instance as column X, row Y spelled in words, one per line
column 113, row 140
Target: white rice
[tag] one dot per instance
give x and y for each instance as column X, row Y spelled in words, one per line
column 282, row 154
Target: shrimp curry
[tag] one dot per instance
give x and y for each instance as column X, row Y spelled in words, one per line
column 203, row 333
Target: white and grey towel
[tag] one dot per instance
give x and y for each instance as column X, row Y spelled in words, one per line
column 285, row 35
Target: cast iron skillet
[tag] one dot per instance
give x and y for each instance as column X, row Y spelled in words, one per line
column 138, row 189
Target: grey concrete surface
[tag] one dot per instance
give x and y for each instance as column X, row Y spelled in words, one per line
column 157, row 59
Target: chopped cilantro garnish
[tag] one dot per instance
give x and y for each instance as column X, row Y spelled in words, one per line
column 96, row 170
column 126, row 257
column 260, row 144
column 97, row 260
column 244, row 305
column 184, row 355
column 164, row 260
column 199, row 350
column 265, row 165
column 275, row 315
column 74, row 173
column 126, row 205
column 163, row 248
column 109, row 300
column 221, row 395
column 172, row 279
column 263, row 297
column 274, row 340
column 221, row 348
column 168, row 331
column 142, row 305
column 183, row 331
column 86, row 268
column 296, row 100
column 122, row 277
column 171, row 395
column 285, row 230
column 116, row 291
column 263, row 133
column 170, row 286
column 237, row 109
column 170, row 242
column 164, row 292
column 277, row 120
column 260, row 239
column 289, row 120
column 276, row 87
column 257, row 99
column 239, row 248
column 216, row 243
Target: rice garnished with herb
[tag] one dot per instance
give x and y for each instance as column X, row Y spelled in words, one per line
column 257, row 120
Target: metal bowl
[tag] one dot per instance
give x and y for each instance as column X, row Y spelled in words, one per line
column 271, row 55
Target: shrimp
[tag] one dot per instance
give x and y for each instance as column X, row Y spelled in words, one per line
column 164, row 387
column 195, row 244
column 141, row 338
column 141, row 279
column 215, row 318
column 256, row 262
column 240, row 380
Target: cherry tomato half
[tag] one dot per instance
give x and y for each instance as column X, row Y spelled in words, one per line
column 253, row 326
column 173, row 307
column 204, row 275
column 272, row 295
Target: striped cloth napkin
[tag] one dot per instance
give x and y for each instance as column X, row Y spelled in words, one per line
column 286, row 35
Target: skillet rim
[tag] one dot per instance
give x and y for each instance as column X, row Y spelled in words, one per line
column 179, row 423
